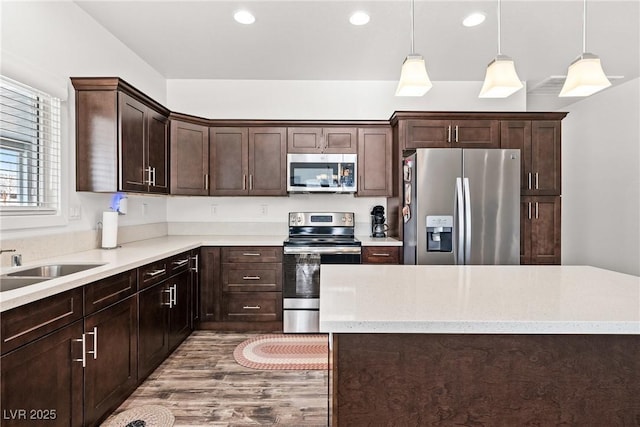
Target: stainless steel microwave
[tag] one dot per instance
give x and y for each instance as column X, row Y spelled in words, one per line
column 322, row 173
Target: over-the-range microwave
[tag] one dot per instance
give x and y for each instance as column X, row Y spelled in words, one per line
column 322, row 173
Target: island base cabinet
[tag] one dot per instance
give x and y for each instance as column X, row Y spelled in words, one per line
column 110, row 375
column 494, row 380
column 42, row 381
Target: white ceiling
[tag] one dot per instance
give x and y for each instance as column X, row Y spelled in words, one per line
column 313, row 40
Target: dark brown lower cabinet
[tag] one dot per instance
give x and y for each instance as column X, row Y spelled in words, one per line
column 540, row 230
column 111, row 337
column 42, row 381
column 164, row 321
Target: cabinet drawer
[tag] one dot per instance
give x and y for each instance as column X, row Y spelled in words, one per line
column 265, row 277
column 252, row 306
column 179, row 263
column 105, row 292
column 252, row 254
column 381, row 254
column 153, row 273
column 29, row 322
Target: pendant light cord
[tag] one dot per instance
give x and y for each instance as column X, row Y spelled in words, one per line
column 412, row 24
column 584, row 27
column 499, row 19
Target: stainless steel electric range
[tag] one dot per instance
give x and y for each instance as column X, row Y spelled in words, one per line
column 315, row 238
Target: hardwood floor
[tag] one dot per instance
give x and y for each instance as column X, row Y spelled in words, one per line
column 203, row 385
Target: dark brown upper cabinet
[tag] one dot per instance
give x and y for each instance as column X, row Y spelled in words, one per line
column 375, row 177
column 121, row 138
column 247, row 161
column 189, row 158
column 446, row 133
column 330, row 140
column 539, row 143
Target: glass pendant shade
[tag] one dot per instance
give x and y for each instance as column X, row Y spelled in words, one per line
column 585, row 77
column 414, row 80
column 501, row 79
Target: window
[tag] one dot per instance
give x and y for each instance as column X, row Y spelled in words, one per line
column 29, row 150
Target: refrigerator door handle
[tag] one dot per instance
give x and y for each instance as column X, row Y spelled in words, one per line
column 467, row 221
column 459, row 212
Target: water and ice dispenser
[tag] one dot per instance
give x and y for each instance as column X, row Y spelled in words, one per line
column 439, row 233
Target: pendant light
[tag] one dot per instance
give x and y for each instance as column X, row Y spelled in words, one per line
column 414, row 80
column 501, row 79
column 585, row 76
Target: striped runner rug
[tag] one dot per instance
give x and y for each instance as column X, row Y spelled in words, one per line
column 284, row 352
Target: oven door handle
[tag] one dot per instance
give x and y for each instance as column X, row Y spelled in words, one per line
column 331, row 250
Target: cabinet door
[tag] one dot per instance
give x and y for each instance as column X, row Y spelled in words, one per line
column 133, row 157
column 545, row 157
column 180, row 309
column 44, row 376
column 516, row 134
column 428, row 134
column 374, row 162
column 228, row 162
column 540, row 230
column 153, row 324
column 304, row 140
column 210, row 292
column 267, row 161
column 189, row 158
column 339, row 140
column 195, row 288
column 112, row 347
column 158, row 151
column 475, row 133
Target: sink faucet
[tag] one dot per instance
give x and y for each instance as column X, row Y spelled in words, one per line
column 16, row 260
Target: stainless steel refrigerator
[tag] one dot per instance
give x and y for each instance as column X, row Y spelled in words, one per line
column 462, row 206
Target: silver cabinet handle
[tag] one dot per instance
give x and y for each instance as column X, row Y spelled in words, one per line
column 456, row 133
column 244, row 181
column 251, row 254
column 153, row 181
column 175, row 294
column 536, row 180
column 148, row 171
column 251, row 307
column 250, row 181
column 170, row 292
column 95, row 342
column 181, row 262
column 449, row 133
column 380, row 254
column 206, row 181
column 529, row 180
column 250, row 277
column 529, row 207
column 536, row 210
column 155, row 273
column 195, row 263
column 84, row 350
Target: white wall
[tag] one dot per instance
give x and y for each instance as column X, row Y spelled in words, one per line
column 601, row 180
column 45, row 43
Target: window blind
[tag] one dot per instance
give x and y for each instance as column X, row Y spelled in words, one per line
column 29, row 150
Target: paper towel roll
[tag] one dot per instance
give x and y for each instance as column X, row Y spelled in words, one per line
column 109, row 229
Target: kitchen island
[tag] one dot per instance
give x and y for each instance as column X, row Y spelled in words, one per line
column 482, row 345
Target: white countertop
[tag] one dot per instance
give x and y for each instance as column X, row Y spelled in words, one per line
column 133, row 255
column 478, row 299
column 123, row 258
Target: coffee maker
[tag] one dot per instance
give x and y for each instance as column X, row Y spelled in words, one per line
column 378, row 227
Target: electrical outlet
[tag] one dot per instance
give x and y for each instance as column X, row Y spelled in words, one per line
column 75, row 212
column 214, row 210
column 145, row 209
column 264, row 209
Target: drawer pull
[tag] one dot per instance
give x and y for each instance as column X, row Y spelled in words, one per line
column 250, row 254
column 181, row 262
column 251, row 307
column 250, row 277
column 379, row 254
column 170, row 292
column 155, row 273
column 83, row 340
column 95, row 342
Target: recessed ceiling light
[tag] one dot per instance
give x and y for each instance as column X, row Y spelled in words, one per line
column 359, row 18
column 244, row 17
column 474, row 19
